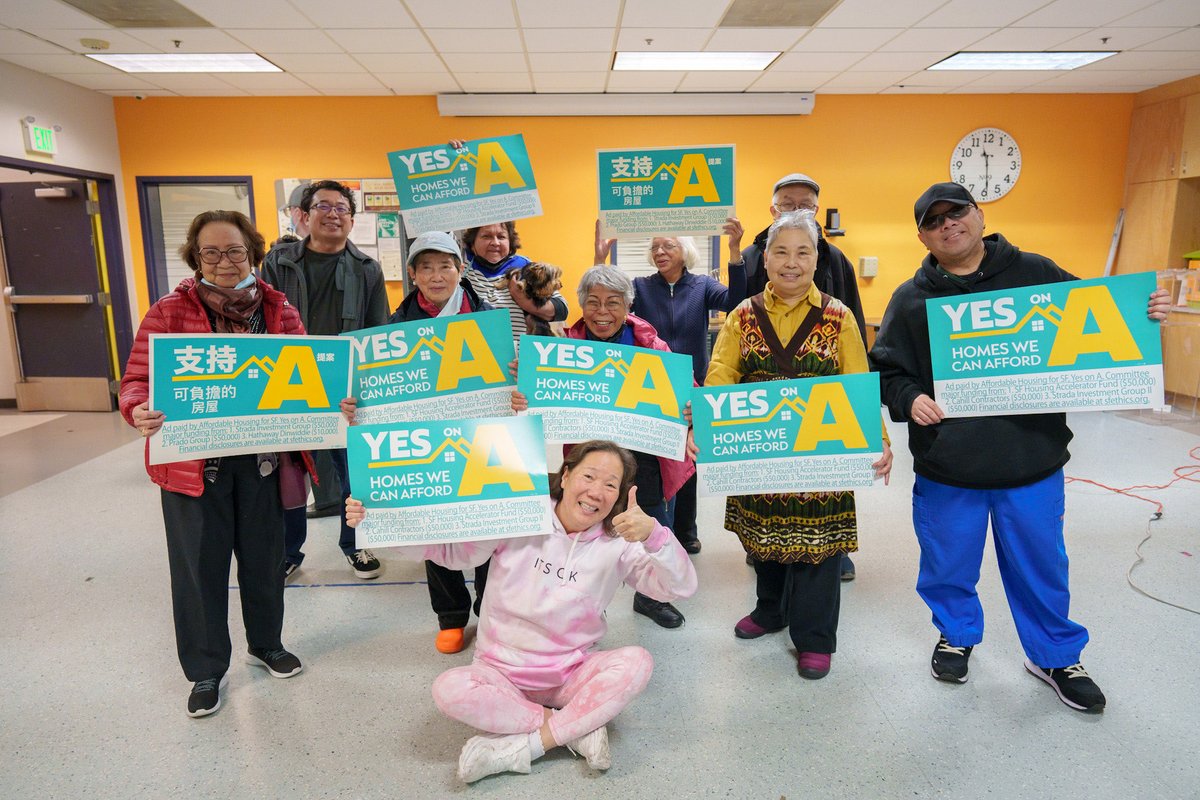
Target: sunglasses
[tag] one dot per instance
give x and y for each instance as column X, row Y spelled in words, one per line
column 938, row 220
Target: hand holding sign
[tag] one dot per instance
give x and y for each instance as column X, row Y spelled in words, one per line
column 355, row 512
column 1160, row 304
column 348, row 406
column 146, row 421
column 883, row 467
column 925, row 411
column 633, row 524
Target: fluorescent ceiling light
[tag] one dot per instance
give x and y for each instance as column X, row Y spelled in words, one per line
column 1019, row 60
column 684, row 62
column 186, row 62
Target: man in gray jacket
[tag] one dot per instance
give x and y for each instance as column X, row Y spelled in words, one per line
column 336, row 288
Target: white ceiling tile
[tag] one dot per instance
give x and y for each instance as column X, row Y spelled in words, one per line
column 332, row 81
column 495, row 81
column 314, row 62
column 665, row 14
column 972, row 13
column 791, row 81
column 568, row 13
column 570, row 62
column 107, row 83
column 260, row 82
column 579, row 40
column 1147, row 60
column 241, row 14
column 1014, row 78
column 1188, row 39
column 356, row 13
column 1119, row 39
column 755, row 39
column 307, row 91
column 837, row 40
column 547, row 82
column 1027, row 38
column 146, row 93
column 1181, row 13
column 1077, row 13
column 717, row 81
column 911, row 89
column 815, row 62
column 191, row 40
column 63, row 64
column 400, row 62
column 927, row 40
column 476, row 40
column 863, row 80
column 878, row 13
column 1042, row 89
column 418, row 82
column 467, row 13
column 943, row 77
column 187, row 84
column 289, row 41
column 1109, row 78
column 485, row 62
column 852, row 89
column 644, row 81
column 384, row 40
column 342, row 92
column 45, row 15
column 118, row 41
column 886, row 62
column 663, row 39
column 20, row 42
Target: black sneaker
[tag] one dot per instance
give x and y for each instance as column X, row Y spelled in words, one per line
column 279, row 663
column 949, row 663
column 664, row 614
column 205, row 698
column 366, row 566
column 848, row 571
column 1072, row 685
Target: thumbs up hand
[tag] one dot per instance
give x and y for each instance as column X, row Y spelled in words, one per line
column 633, row 524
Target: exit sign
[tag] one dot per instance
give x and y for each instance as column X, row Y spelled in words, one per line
column 39, row 138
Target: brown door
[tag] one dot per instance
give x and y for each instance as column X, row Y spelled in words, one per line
column 53, row 292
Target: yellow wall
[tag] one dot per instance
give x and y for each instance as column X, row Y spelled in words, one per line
column 872, row 154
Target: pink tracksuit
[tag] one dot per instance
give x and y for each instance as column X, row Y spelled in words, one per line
column 542, row 614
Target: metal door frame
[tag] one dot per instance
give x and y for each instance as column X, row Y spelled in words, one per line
column 114, row 254
column 151, row 217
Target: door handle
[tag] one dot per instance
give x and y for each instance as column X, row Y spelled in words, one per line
column 12, row 298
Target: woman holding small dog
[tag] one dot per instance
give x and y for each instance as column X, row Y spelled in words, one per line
column 502, row 277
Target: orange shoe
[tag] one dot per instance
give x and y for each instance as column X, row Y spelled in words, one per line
column 450, row 640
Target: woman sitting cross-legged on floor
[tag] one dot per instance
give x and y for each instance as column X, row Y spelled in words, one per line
column 537, row 682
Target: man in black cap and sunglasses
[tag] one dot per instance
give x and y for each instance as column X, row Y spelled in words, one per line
column 1007, row 469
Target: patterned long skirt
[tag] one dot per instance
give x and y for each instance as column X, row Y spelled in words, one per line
column 787, row 528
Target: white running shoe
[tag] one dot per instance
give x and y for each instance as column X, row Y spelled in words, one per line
column 491, row 753
column 594, row 747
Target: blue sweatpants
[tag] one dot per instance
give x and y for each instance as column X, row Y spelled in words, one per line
column 1027, row 528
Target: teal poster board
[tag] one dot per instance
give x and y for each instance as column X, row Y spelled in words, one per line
column 443, row 481
column 585, row 390
column 487, row 181
column 440, row 368
column 805, row 435
column 1069, row 346
column 665, row 191
column 234, row 394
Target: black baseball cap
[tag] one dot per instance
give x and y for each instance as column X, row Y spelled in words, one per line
column 941, row 193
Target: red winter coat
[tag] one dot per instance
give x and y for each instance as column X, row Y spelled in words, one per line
column 674, row 473
column 182, row 312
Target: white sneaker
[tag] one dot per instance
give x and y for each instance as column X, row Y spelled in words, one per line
column 491, row 753
column 594, row 747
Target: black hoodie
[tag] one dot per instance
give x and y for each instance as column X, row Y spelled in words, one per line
column 973, row 452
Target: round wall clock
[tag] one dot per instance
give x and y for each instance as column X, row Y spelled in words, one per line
column 988, row 162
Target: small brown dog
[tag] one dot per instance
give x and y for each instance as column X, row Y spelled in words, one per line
column 540, row 281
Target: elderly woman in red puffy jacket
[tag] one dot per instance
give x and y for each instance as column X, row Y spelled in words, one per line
column 220, row 507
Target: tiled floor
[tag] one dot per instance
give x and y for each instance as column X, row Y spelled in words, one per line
column 92, row 698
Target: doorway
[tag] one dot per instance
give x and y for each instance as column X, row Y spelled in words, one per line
column 64, row 315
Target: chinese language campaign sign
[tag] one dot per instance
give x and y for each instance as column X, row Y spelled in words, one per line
column 598, row 390
column 233, row 394
column 805, row 435
column 445, row 367
column 655, row 191
column 1069, row 346
column 487, row 181
column 444, row 481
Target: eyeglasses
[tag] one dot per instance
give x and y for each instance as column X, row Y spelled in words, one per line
column 938, row 220
column 788, row 208
column 666, row 247
column 211, row 255
column 325, row 208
